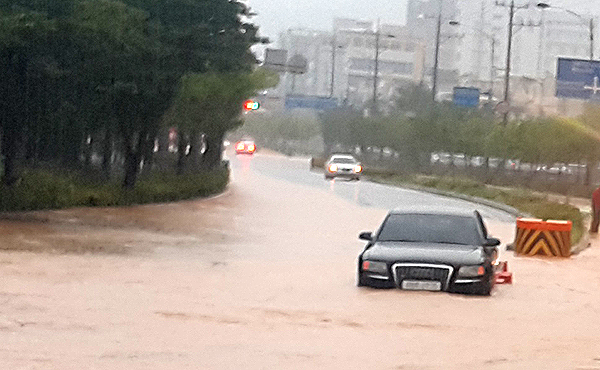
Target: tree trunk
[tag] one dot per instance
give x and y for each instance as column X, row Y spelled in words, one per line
column 10, row 151
column 588, row 173
column 89, row 143
column 131, row 168
column 213, row 153
column 181, row 156
column 163, row 141
column 194, row 155
column 71, row 142
column 148, row 151
column 133, row 157
column 107, row 152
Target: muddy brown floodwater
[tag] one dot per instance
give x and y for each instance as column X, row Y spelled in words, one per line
column 263, row 277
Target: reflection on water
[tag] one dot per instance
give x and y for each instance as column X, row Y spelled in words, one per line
column 336, row 186
column 244, row 165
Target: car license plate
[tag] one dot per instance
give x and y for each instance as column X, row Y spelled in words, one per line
column 421, row 285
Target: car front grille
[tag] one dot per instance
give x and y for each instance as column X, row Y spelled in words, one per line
column 439, row 273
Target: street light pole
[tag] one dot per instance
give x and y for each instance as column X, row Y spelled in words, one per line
column 591, row 25
column 376, row 70
column 508, row 51
column 540, row 58
column 333, row 51
column 492, row 53
column 437, row 52
column 592, row 38
column 492, row 68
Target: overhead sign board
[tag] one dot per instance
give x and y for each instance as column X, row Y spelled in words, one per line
column 319, row 103
column 466, row 97
column 297, row 64
column 276, row 59
column 578, row 79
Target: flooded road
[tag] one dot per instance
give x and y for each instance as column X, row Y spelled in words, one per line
column 263, row 277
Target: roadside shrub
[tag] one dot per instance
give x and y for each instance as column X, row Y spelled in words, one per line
column 48, row 189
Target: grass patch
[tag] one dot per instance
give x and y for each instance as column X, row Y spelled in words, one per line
column 51, row 189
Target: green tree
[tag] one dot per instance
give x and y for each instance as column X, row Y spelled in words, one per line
column 210, row 104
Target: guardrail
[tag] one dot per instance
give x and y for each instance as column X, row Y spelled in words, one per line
column 550, row 238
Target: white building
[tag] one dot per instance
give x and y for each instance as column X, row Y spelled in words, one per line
column 421, row 21
column 400, row 59
column 341, row 63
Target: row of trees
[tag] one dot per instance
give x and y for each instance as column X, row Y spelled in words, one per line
column 83, row 74
column 417, row 128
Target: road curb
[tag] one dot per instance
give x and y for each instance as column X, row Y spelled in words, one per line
column 584, row 243
column 486, row 202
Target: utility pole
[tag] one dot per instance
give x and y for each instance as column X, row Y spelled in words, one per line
column 437, row 52
column 376, row 69
column 540, row 64
column 333, row 51
column 492, row 67
column 592, row 38
column 511, row 18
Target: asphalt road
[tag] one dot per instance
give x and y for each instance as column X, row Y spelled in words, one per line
column 363, row 193
column 263, row 277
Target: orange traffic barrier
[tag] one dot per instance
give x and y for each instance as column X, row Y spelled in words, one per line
column 549, row 238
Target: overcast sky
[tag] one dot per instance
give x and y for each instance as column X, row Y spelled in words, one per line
column 275, row 16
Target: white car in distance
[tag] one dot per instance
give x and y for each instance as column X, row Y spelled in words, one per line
column 343, row 165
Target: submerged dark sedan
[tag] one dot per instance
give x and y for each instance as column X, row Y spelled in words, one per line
column 430, row 249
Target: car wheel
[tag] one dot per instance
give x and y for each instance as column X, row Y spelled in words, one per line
column 485, row 289
column 361, row 281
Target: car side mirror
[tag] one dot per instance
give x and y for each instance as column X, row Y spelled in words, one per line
column 491, row 242
column 366, row 235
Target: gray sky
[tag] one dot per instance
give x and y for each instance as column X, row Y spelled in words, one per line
column 275, row 16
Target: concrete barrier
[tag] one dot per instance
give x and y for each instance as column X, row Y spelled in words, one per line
column 547, row 238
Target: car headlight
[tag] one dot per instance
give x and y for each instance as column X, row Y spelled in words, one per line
column 471, row 271
column 333, row 167
column 375, row 267
column 358, row 168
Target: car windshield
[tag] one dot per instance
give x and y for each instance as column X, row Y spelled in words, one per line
column 343, row 160
column 446, row 229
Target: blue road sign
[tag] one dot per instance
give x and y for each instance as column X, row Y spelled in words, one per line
column 578, row 79
column 466, row 97
column 310, row 102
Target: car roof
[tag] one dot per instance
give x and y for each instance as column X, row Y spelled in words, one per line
column 336, row 156
column 431, row 210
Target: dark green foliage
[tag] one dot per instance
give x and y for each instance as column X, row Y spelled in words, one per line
column 417, row 127
column 51, row 189
column 97, row 76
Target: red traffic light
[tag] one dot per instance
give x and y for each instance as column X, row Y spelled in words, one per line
column 251, row 105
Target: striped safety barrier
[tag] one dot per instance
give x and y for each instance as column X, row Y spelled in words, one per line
column 548, row 238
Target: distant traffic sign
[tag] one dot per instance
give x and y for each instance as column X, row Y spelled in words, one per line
column 466, row 97
column 310, row 102
column 578, row 79
column 276, row 59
